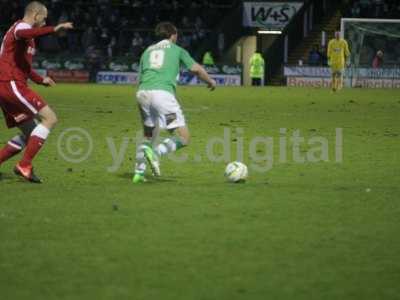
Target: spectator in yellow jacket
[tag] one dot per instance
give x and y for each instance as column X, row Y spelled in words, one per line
column 257, row 65
column 208, row 59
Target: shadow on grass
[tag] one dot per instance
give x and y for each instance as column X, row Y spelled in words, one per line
column 9, row 178
column 150, row 179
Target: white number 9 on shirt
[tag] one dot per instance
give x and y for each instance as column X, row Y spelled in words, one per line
column 156, row 59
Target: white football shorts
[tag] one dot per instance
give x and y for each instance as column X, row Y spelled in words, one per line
column 160, row 109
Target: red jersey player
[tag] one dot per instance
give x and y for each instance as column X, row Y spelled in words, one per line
column 22, row 107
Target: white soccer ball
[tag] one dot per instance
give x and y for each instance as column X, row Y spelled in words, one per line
column 236, row 172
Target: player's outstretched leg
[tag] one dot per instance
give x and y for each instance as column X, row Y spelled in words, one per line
column 35, row 142
column 17, row 143
column 174, row 143
column 12, row 148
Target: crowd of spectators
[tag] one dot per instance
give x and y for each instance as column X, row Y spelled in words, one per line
column 120, row 27
column 388, row 9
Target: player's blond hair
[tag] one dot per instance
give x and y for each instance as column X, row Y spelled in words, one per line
column 34, row 7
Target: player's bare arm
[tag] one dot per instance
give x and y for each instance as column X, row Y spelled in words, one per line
column 37, row 30
column 64, row 26
column 40, row 31
column 48, row 81
column 203, row 75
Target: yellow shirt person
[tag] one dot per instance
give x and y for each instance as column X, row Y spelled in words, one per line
column 338, row 52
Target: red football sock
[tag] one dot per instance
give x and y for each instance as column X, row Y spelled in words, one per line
column 7, row 152
column 35, row 143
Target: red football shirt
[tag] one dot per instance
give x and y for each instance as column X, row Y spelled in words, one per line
column 17, row 51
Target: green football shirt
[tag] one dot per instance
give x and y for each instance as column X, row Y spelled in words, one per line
column 160, row 65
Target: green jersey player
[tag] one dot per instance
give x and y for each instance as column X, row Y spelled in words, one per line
column 159, row 109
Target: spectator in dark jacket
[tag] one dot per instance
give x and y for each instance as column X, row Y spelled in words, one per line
column 314, row 57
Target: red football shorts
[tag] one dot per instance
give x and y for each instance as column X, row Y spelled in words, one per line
column 19, row 103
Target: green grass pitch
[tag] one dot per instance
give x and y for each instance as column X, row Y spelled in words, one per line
column 311, row 230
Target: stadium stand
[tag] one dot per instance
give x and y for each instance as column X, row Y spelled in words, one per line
column 116, row 28
column 112, row 30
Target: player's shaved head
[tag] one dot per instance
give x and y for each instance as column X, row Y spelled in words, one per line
column 35, row 7
column 165, row 30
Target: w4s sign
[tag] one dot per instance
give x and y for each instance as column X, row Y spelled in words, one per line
column 269, row 15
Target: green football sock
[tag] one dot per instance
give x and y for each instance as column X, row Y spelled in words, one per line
column 169, row 145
